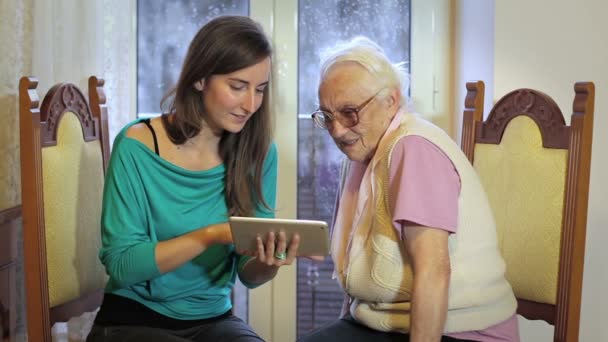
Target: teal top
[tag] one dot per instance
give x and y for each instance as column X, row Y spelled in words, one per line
column 148, row 199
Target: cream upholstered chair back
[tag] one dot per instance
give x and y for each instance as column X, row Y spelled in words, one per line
column 535, row 170
column 64, row 150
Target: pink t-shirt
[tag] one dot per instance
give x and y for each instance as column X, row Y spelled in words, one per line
column 424, row 187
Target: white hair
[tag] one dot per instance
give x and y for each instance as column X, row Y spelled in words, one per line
column 371, row 56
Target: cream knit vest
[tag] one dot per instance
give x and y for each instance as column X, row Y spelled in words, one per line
column 379, row 276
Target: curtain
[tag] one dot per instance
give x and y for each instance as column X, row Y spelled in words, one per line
column 15, row 60
column 74, row 39
column 59, row 41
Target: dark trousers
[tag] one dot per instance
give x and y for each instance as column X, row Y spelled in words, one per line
column 229, row 329
column 348, row 330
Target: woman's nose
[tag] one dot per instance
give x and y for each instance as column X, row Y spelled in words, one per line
column 336, row 129
column 250, row 102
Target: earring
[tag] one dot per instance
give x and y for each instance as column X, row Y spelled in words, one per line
column 199, row 85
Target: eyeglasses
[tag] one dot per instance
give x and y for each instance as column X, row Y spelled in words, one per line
column 347, row 116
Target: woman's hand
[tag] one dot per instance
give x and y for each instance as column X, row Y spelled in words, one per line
column 270, row 253
column 170, row 254
column 274, row 251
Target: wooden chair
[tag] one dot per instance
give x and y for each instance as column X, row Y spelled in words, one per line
column 535, row 170
column 64, row 153
column 11, row 297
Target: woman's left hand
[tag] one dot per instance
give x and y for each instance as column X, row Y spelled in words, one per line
column 274, row 251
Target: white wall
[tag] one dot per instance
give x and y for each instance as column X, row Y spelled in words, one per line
column 547, row 45
column 473, row 52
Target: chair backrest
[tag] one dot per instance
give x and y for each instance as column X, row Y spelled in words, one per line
column 535, row 170
column 64, row 151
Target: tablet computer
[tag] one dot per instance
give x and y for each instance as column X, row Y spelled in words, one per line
column 314, row 235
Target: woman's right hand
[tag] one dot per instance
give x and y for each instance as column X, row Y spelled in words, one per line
column 170, row 254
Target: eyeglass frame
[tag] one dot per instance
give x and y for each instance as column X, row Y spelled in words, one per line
column 328, row 114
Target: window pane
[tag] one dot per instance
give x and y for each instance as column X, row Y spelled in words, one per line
column 321, row 24
column 164, row 30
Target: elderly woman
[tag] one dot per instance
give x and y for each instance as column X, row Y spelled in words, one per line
column 414, row 241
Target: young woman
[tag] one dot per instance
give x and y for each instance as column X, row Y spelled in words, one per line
column 172, row 183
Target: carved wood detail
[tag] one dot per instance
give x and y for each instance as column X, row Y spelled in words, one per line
column 536, row 105
column 61, row 98
column 473, row 113
column 97, row 99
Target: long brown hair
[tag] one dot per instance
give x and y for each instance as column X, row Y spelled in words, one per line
column 222, row 46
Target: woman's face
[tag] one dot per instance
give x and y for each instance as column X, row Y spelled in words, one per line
column 346, row 87
column 231, row 99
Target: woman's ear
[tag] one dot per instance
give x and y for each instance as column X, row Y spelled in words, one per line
column 200, row 85
column 393, row 98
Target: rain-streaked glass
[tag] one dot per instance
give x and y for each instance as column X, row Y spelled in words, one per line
column 164, row 30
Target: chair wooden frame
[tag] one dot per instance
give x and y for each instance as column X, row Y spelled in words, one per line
column 576, row 138
column 38, row 129
column 10, row 222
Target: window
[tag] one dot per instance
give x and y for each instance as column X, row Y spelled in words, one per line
column 164, row 30
column 322, row 24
